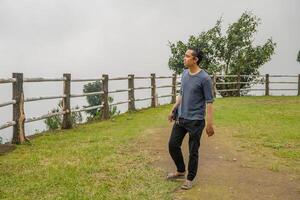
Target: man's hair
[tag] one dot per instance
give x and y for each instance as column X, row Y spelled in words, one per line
column 197, row 52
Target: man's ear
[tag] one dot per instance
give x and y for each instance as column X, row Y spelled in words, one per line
column 196, row 59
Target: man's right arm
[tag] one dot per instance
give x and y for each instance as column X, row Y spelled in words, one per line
column 178, row 101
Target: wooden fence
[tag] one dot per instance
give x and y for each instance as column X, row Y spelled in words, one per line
column 19, row 117
column 247, row 81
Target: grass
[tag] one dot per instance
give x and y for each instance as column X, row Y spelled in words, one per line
column 106, row 161
column 93, row 161
column 272, row 122
column 266, row 126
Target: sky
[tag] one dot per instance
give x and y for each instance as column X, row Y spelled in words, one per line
column 118, row 37
column 85, row 38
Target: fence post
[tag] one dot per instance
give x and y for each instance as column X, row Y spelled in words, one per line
column 18, row 109
column 298, row 84
column 131, row 103
column 238, row 85
column 105, row 110
column 153, row 90
column 215, row 85
column 67, row 120
column 267, row 85
column 174, row 87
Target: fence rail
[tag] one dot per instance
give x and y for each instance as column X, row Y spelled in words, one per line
column 43, row 98
column 142, row 88
column 86, row 80
column 87, row 108
column 117, row 91
column 222, row 84
column 32, row 119
column 8, row 80
column 118, row 79
column 7, row 124
column 7, row 103
column 42, row 79
column 142, row 77
column 86, row 94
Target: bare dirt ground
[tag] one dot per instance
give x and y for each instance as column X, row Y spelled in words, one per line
column 225, row 173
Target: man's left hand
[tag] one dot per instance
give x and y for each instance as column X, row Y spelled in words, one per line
column 210, row 130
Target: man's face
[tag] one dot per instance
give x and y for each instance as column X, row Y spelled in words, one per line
column 189, row 60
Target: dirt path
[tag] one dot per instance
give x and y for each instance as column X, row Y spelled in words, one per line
column 223, row 172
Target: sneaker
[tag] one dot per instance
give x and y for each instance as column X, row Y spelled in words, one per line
column 175, row 176
column 187, row 185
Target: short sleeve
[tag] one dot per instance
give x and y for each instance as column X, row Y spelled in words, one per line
column 208, row 91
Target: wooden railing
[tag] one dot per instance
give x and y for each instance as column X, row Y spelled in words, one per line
column 18, row 100
column 237, row 83
column 259, row 79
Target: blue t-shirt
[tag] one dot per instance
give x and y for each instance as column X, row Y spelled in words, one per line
column 196, row 91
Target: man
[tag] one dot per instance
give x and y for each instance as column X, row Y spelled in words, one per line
column 195, row 97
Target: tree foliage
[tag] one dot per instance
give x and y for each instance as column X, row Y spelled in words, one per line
column 231, row 53
column 94, row 100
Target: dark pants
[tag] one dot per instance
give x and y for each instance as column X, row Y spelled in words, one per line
column 180, row 128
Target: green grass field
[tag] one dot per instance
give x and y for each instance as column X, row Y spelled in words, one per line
column 272, row 122
column 266, row 127
column 102, row 160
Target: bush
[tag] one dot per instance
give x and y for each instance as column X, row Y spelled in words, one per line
column 94, row 100
column 55, row 122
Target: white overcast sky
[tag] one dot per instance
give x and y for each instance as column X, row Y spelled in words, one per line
column 88, row 38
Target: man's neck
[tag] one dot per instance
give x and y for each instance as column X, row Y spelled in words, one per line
column 194, row 69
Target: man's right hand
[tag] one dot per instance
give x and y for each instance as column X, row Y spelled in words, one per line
column 170, row 116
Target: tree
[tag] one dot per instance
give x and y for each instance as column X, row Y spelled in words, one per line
column 95, row 100
column 229, row 54
column 298, row 57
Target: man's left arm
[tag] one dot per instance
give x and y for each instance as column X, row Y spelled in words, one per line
column 209, row 99
column 209, row 120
